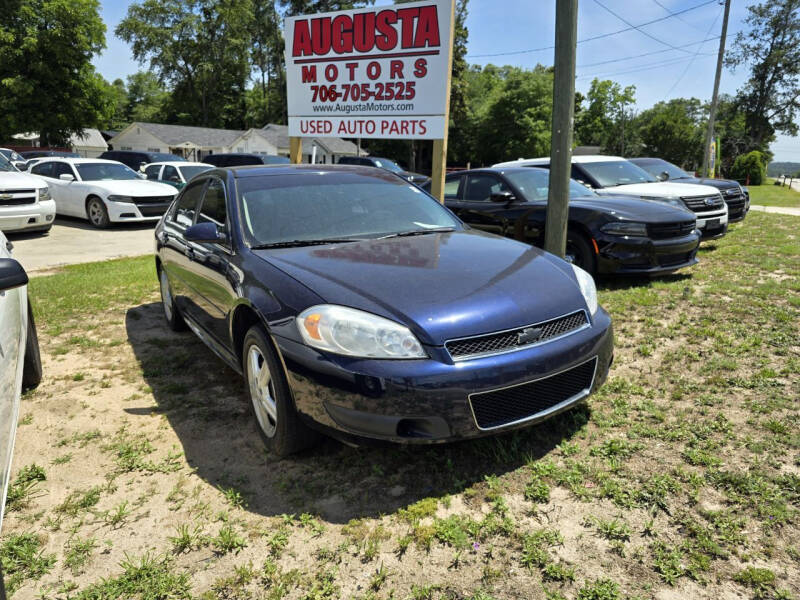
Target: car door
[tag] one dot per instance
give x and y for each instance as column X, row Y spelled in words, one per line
column 59, row 190
column 176, row 251
column 73, row 199
column 475, row 204
column 171, row 177
column 212, row 280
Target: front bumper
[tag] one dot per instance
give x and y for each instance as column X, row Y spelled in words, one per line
column 132, row 212
column 426, row 401
column 631, row 255
column 39, row 215
column 713, row 225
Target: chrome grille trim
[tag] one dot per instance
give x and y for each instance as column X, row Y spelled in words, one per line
column 504, row 340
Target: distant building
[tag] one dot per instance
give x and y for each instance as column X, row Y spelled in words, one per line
column 89, row 144
column 195, row 143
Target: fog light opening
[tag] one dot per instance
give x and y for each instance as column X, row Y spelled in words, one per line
column 415, row 428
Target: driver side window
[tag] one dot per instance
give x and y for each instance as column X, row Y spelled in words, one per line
column 481, row 186
column 186, row 209
column 152, row 172
column 171, row 174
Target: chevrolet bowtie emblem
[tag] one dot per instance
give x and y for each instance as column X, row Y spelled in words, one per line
column 529, row 335
column 6, row 196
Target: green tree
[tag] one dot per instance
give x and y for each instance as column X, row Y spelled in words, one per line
column 673, row 131
column 118, row 95
column 145, row 97
column 749, row 168
column 47, row 82
column 770, row 45
column 460, row 145
column 607, row 121
column 201, row 48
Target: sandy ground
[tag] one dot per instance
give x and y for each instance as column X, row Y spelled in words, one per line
column 73, row 241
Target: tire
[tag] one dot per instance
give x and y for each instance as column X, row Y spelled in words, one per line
column 271, row 402
column 579, row 252
column 97, row 213
column 171, row 313
column 32, row 365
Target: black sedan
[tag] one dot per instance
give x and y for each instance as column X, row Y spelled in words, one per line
column 385, row 163
column 354, row 303
column 606, row 235
column 736, row 197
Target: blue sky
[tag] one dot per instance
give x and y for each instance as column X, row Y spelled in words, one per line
column 509, row 26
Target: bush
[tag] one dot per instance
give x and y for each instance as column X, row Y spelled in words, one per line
column 750, row 165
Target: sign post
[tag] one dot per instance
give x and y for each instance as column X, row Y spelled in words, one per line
column 375, row 72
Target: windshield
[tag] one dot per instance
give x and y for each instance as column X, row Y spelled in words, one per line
column 10, row 154
column 104, row 171
column 389, row 165
column 617, row 172
column 535, row 183
column 313, row 206
column 657, row 166
column 189, row 172
column 5, row 165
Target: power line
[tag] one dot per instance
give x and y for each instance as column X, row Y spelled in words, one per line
column 691, row 62
column 614, row 60
column 638, row 27
column 597, row 37
column 646, row 67
column 679, row 19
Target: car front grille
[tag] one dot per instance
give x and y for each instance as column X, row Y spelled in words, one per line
column 703, row 203
column 735, row 200
column 516, row 339
column 152, row 199
column 668, row 260
column 660, row 231
column 533, row 399
column 17, row 197
column 152, row 210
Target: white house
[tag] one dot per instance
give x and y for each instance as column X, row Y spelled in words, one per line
column 195, row 143
column 89, row 144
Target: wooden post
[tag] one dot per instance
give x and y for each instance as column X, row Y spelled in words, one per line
column 440, row 146
column 296, row 150
column 715, row 96
column 555, row 233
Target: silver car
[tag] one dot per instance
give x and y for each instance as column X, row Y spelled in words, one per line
column 20, row 363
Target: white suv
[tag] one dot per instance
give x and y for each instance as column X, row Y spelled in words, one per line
column 25, row 202
column 616, row 176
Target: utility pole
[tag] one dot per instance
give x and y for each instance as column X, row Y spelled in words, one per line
column 714, row 98
column 555, row 237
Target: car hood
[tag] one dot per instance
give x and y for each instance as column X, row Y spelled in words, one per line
column 441, row 285
column 634, row 209
column 10, row 180
column 659, row 188
column 134, row 187
column 720, row 184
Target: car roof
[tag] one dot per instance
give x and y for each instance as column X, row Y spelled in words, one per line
column 577, row 160
column 179, row 163
column 282, row 169
column 500, row 170
column 77, row 161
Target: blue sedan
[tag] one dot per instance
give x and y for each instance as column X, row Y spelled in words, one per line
column 354, row 304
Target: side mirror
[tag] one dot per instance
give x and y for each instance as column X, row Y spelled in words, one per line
column 663, row 176
column 66, row 177
column 204, row 232
column 502, row 197
column 12, row 275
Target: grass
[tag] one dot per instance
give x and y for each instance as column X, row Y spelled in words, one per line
column 680, row 474
column 774, row 195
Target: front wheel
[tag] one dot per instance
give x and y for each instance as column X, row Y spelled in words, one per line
column 579, row 252
column 171, row 313
column 277, row 420
column 97, row 213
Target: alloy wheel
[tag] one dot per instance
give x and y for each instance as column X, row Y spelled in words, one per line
column 262, row 392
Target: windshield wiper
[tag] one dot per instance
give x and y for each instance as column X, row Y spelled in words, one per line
column 416, row 232
column 298, row 243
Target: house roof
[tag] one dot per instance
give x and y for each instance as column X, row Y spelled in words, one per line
column 90, row 138
column 174, row 135
column 279, row 136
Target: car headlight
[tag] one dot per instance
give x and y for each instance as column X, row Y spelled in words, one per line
column 120, row 199
column 674, row 200
column 352, row 332
column 625, row 228
column 44, row 194
column 588, row 289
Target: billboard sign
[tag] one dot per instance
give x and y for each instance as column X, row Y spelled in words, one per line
column 377, row 72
